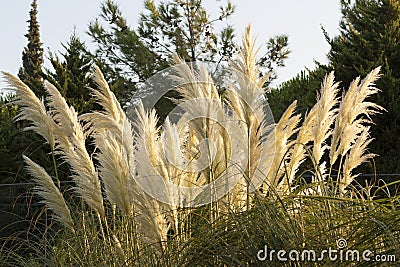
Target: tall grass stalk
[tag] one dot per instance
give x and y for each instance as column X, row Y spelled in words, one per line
column 110, row 220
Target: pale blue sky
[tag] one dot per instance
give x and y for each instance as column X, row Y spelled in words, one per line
column 300, row 20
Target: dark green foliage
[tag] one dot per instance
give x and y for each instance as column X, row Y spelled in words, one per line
column 302, row 88
column 32, row 56
column 8, row 132
column 16, row 208
column 369, row 37
column 71, row 75
column 14, row 142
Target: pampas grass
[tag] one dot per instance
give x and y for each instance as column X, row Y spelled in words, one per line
column 113, row 137
column 358, row 155
column 284, row 130
column 350, row 126
column 51, row 195
column 152, row 219
column 71, row 145
column 34, row 110
column 326, row 112
column 247, row 100
column 354, row 112
column 313, row 133
column 131, row 181
column 115, row 172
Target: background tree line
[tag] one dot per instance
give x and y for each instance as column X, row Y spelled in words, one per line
column 130, row 54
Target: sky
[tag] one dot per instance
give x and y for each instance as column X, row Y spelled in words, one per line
column 301, row 21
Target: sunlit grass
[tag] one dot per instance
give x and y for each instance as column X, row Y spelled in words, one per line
column 108, row 220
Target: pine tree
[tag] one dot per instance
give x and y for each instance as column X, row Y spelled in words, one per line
column 71, row 75
column 302, row 88
column 32, row 56
column 369, row 37
column 185, row 27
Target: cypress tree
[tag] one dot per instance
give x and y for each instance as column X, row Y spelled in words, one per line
column 20, row 142
column 32, row 56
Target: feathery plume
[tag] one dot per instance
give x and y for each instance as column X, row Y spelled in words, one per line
column 152, row 218
column 316, row 128
column 202, row 102
column 193, row 84
column 247, row 101
column 298, row 153
column 326, row 104
column 354, row 110
column 105, row 97
column 115, row 171
column 71, row 145
column 31, row 109
column 355, row 158
column 284, row 130
column 51, row 195
column 112, row 118
column 114, row 137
